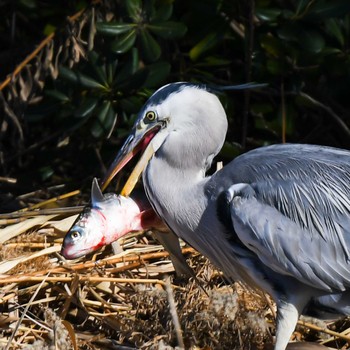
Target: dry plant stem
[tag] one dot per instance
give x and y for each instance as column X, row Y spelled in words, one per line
column 50, row 211
column 28, row 245
column 71, row 333
column 174, row 314
column 51, row 200
column 9, row 180
column 332, row 338
column 271, row 306
column 329, row 110
column 107, row 261
column 42, row 279
column 323, row 330
column 25, row 311
column 26, row 61
column 33, row 54
column 4, row 222
column 72, row 290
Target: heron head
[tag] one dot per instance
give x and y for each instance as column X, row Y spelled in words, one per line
column 185, row 116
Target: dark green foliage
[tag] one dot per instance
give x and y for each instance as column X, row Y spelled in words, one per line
column 130, row 48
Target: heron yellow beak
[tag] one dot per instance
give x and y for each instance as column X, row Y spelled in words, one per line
column 117, row 165
column 135, row 143
column 136, row 173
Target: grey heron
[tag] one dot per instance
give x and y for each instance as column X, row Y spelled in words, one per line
column 276, row 218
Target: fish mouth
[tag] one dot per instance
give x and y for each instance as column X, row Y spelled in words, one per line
column 135, row 143
column 69, row 253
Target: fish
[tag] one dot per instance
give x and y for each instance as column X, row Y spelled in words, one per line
column 109, row 217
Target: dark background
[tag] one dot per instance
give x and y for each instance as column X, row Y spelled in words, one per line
column 65, row 111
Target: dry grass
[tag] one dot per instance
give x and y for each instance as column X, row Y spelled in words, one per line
column 122, row 301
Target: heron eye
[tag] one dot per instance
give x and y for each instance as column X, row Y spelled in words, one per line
column 75, row 234
column 150, row 116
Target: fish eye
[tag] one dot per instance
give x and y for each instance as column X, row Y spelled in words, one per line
column 150, row 116
column 75, row 235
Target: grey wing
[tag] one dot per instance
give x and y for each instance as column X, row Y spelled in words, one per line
column 294, row 242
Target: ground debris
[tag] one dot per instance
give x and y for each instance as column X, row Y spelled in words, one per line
column 121, row 301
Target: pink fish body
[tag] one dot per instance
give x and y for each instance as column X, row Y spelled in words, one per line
column 108, row 218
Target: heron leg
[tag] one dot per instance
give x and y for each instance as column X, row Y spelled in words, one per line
column 287, row 318
column 171, row 243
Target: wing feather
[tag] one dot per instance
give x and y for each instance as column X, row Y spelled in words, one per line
column 298, row 220
column 285, row 247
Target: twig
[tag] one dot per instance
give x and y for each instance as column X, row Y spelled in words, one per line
column 26, row 60
column 332, row 338
column 51, row 200
column 28, row 245
column 174, row 314
column 329, row 110
column 49, row 211
column 42, row 279
column 9, row 180
column 25, row 311
column 110, row 261
column 33, row 54
column 323, row 330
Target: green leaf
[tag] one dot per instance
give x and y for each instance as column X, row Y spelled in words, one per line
column 230, row 150
column 268, row 14
column 157, row 73
column 271, row 45
column 326, row 9
column 290, row 31
column 312, row 41
column 46, row 172
column 135, row 61
column 58, row 95
column 105, row 120
column 86, row 108
column 124, row 43
column 150, row 48
column 332, row 51
column 49, row 29
column 262, row 108
column 79, row 78
column 113, row 29
column 134, row 81
column 129, row 68
column 302, row 5
column 30, row 4
column 134, row 8
column 275, row 67
column 333, row 28
column 98, row 67
column 213, row 61
column 131, row 104
column 103, row 111
column 41, row 111
column 211, row 40
column 168, row 30
column 308, row 39
column 111, row 67
column 163, row 12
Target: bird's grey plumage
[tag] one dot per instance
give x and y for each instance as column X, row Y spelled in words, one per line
column 277, row 218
